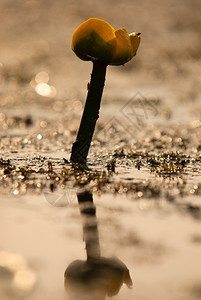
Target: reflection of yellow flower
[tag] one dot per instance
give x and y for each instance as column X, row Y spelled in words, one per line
column 96, row 39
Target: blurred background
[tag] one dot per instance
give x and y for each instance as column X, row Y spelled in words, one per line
column 36, row 36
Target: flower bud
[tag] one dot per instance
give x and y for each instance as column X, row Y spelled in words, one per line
column 97, row 40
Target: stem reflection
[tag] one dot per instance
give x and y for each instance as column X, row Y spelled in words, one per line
column 96, row 277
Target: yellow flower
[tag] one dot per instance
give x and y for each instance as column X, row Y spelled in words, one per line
column 96, row 39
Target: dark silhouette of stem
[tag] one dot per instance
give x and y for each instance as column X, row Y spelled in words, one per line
column 90, row 115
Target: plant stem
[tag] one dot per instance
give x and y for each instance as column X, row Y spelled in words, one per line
column 90, row 115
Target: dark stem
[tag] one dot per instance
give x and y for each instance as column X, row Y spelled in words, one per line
column 90, row 115
column 90, row 227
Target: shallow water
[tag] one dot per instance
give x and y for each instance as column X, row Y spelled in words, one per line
column 144, row 165
column 160, row 246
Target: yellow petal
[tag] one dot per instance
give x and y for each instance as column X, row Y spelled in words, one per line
column 123, row 49
column 135, row 41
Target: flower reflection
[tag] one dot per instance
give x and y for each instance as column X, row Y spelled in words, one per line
column 98, row 276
